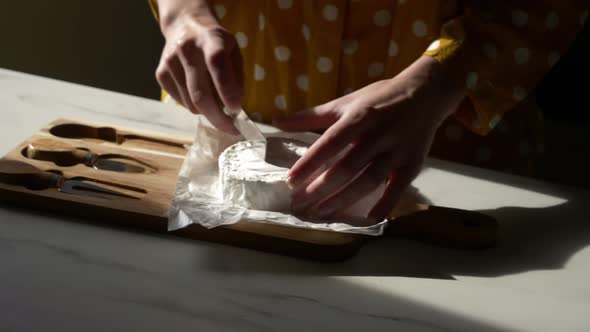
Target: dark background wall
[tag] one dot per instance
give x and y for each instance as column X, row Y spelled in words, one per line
column 564, row 96
column 115, row 45
column 111, row 44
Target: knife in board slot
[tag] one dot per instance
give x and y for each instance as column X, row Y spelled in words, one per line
column 247, row 128
column 19, row 173
column 64, row 154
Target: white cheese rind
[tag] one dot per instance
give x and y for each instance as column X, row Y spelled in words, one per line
column 252, row 183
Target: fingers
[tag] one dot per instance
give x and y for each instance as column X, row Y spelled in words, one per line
column 334, row 140
column 394, row 191
column 201, row 91
column 167, row 83
column 201, row 66
column 313, row 118
column 344, row 171
column 376, row 175
column 219, row 52
column 171, row 77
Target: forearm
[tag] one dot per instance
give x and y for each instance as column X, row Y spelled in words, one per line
column 170, row 10
column 442, row 80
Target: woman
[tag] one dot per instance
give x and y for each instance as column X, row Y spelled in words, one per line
column 398, row 79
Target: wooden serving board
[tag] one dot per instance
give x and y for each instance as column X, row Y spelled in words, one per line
column 153, row 192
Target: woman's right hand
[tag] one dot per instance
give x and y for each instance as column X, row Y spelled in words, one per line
column 201, row 64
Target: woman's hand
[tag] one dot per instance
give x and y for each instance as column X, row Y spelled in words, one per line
column 390, row 125
column 201, row 65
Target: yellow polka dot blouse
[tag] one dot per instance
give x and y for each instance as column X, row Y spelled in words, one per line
column 300, row 53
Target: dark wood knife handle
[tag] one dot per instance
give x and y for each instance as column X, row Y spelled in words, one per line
column 447, row 227
column 22, row 174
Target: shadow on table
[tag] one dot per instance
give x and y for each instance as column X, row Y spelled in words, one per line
column 529, row 239
column 249, row 290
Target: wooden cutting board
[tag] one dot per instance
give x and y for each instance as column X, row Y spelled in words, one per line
column 152, row 191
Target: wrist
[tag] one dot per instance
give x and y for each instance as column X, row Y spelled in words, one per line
column 174, row 12
column 445, row 86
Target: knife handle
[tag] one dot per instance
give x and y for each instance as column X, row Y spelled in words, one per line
column 22, row 174
column 447, row 227
column 61, row 153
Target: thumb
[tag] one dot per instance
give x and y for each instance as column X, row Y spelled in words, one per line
column 314, row 118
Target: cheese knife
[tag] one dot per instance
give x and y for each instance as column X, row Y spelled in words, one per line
column 64, row 154
column 247, row 128
column 22, row 174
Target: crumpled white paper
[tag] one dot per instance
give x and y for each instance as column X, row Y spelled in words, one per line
column 198, row 197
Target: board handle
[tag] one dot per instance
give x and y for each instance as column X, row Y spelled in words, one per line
column 446, row 227
column 22, row 174
column 59, row 152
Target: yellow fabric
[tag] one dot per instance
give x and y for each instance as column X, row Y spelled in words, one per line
column 154, row 8
column 507, row 47
column 300, row 53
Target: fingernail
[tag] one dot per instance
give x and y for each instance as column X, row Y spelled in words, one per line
column 292, row 182
column 289, row 184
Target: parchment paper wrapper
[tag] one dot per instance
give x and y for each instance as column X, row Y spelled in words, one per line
column 198, row 197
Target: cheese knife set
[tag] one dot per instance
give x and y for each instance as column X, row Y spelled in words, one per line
column 127, row 177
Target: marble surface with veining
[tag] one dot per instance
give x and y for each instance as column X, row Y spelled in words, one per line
column 60, row 274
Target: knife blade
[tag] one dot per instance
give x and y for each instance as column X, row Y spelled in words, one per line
column 247, row 128
column 22, row 174
column 116, row 166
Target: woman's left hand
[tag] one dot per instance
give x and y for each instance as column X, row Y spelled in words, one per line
column 390, row 125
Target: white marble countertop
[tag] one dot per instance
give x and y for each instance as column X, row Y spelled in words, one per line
column 60, row 275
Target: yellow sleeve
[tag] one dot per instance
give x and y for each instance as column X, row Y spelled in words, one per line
column 154, row 8
column 503, row 49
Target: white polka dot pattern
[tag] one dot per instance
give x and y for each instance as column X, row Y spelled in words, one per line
column 471, row 80
column 376, row 69
column 382, row 18
column 434, row 45
column 324, row 65
column 282, row 53
column 302, row 83
column 552, row 21
column 259, row 72
column 393, row 48
column 552, row 58
column 281, row 102
column 306, row 33
column 519, row 18
column 419, row 28
column 495, row 120
column 285, row 4
column 242, row 39
column 330, row 13
column 219, row 11
column 350, row 46
column 519, row 93
column 261, row 22
column 521, row 55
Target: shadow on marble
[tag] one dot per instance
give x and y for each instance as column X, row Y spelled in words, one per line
column 74, row 269
column 530, row 239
